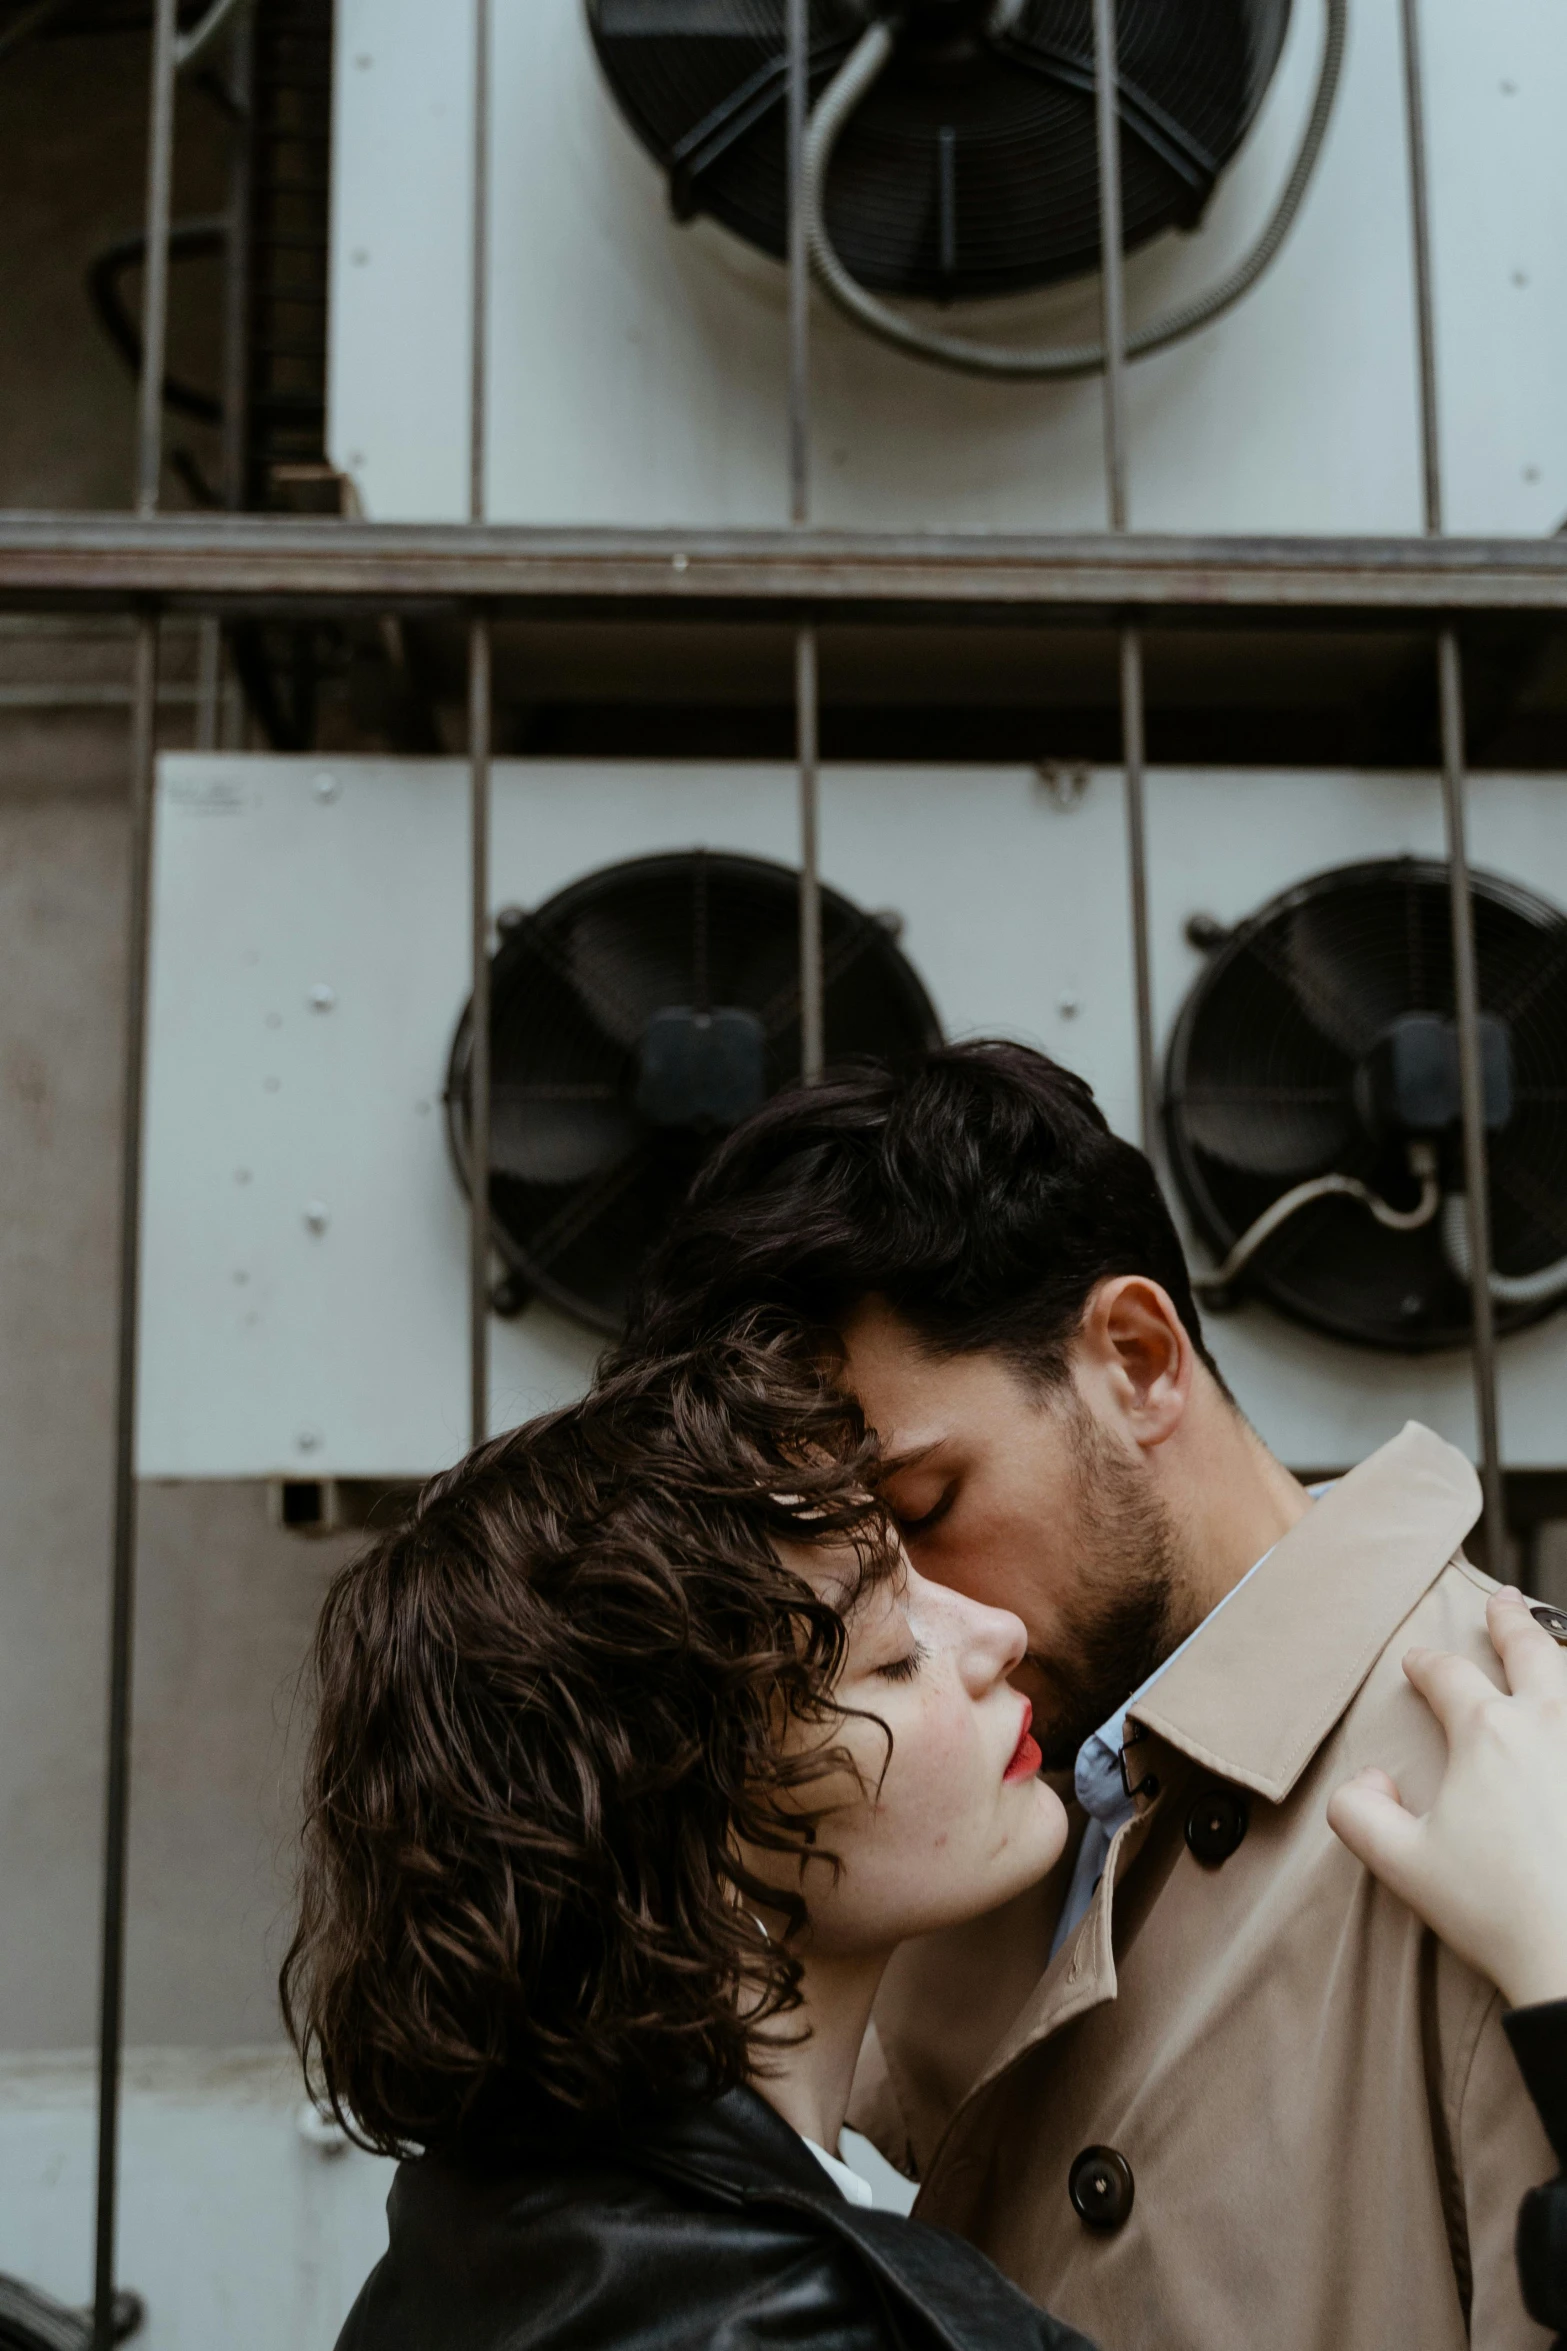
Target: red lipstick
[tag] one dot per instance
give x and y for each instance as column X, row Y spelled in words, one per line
column 1026, row 1758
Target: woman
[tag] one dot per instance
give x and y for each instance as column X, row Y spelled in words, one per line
column 639, row 1749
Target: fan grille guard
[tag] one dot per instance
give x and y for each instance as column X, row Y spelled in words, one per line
column 971, row 169
column 635, row 1017
column 1267, row 1085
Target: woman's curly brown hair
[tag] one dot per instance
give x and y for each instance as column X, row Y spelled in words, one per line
column 550, row 1715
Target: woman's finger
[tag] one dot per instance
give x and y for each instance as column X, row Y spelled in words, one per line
column 1453, row 1687
column 1366, row 1814
column 1535, row 1665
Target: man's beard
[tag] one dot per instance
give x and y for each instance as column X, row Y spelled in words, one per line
column 1126, row 1614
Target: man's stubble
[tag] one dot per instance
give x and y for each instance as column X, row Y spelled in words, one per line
column 1130, row 1603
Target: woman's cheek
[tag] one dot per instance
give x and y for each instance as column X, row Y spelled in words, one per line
column 944, row 1783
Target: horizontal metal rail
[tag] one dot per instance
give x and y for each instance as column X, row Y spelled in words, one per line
column 255, row 563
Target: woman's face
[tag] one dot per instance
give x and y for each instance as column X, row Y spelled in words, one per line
column 954, row 1820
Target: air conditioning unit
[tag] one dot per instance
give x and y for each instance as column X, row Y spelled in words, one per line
column 637, row 307
column 305, row 1233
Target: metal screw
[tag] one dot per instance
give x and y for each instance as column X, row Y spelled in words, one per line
column 322, row 998
column 1066, row 781
column 509, row 918
column 325, row 784
column 241, row 1175
column 1205, row 932
column 1531, row 473
column 359, row 256
column 888, row 919
column 317, row 1216
column 1069, row 1005
column 308, row 1440
column 678, row 562
column 270, row 1085
column 1520, row 277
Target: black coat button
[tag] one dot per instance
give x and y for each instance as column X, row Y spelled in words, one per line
column 1554, row 1621
column 1216, row 1824
column 1101, row 2187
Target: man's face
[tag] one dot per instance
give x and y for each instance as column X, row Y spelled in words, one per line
column 1016, row 1495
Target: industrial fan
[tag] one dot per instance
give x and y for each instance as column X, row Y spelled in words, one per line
column 971, row 167
column 636, row 1018
column 1312, row 1105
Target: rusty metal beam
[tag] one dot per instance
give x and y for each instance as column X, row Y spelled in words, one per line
column 258, row 563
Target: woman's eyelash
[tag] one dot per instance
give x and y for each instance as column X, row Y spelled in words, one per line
column 903, row 1669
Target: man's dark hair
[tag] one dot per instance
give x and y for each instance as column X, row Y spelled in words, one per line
column 977, row 1189
column 551, row 1718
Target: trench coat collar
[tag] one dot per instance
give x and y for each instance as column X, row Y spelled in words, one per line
column 1257, row 1692
column 1269, row 1675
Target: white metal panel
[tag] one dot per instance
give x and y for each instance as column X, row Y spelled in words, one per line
column 1223, row 844
column 270, row 1347
column 638, row 368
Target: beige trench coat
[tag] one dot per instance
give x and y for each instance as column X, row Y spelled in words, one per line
column 1326, row 2134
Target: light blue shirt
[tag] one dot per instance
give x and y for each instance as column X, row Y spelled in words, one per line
column 1101, row 1790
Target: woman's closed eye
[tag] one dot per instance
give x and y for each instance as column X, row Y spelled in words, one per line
column 904, row 1668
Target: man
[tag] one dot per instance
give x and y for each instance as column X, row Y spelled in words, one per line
column 1211, row 2088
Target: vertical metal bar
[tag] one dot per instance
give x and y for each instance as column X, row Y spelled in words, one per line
column 480, row 727
column 1471, row 1084
column 1112, row 276
column 1112, row 282
column 812, row 993
column 1450, row 704
column 209, row 680
column 1420, row 231
column 812, row 989
column 111, row 2011
column 798, row 36
column 479, row 714
column 236, row 266
column 155, row 273
column 1132, row 749
column 122, row 1596
column 479, row 359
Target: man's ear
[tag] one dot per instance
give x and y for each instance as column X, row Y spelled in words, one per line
column 1135, row 1349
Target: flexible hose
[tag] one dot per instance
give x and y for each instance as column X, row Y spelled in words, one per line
column 1422, row 1163
column 839, row 101
column 1508, row 1289
column 193, row 44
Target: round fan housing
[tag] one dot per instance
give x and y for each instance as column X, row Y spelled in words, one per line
column 972, row 166
column 636, row 1018
column 1321, row 1038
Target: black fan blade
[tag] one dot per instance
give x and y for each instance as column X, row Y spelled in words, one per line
column 557, row 1134
column 1270, row 1132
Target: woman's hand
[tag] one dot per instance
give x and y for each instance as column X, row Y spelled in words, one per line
column 1486, row 1867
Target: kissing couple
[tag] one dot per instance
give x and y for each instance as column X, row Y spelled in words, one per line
column 906, row 1693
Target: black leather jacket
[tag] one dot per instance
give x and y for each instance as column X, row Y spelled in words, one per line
column 1539, row 2039
column 719, row 2231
